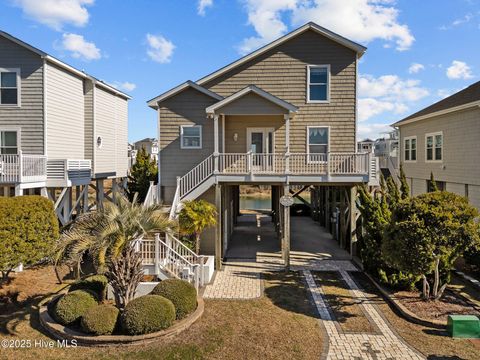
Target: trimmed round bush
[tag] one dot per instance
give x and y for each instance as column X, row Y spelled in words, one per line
column 181, row 293
column 100, row 319
column 71, row 306
column 147, row 314
column 96, row 283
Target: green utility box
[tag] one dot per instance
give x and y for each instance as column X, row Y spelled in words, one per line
column 463, row 326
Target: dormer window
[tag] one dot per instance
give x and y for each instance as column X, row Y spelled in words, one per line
column 318, row 83
column 9, row 87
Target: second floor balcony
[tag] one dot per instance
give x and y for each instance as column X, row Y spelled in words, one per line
column 274, row 167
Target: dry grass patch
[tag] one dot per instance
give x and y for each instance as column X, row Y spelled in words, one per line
column 281, row 325
column 345, row 307
column 433, row 343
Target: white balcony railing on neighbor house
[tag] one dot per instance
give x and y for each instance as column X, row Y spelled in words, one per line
column 276, row 164
column 20, row 168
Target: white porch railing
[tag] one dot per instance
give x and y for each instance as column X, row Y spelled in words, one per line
column 273, row 164
column 170, row 255
column 19, row 168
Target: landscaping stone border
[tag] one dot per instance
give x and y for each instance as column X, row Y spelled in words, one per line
column 61, row 332
column 403, row 311
column 468, row 279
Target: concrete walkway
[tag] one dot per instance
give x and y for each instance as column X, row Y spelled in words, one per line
column 385, row 345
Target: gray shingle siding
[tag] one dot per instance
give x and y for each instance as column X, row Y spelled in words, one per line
column 29, row 117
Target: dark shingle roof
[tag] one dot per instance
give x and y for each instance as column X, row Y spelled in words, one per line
column 465, row 96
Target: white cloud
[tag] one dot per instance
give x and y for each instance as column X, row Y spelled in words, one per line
column 202, row 5
column 159, row 48
column 372, row 131
column 415, row 68
column 80, row 48
column 126, row 86
column 457, row 22
column 391, row 87
column 459, row 70
column 56, row 13
column 387, row 93
column 360, row 20
column 370, row 107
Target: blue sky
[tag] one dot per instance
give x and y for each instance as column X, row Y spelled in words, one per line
column 418, row 51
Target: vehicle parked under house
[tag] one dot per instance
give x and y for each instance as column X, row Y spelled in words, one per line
column 285, row 116
column 60, row 129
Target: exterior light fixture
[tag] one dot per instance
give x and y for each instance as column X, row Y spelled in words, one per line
column 235, row 137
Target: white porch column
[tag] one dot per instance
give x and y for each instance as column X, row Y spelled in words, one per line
column 287, row 142
column 215, row 142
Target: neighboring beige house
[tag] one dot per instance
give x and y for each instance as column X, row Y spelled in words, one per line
column 443, row 139
column 60, row 129
column 283, row 116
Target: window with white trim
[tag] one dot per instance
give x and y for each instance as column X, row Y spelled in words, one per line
column 191, row 136
column 434, row 147
column 410, row 148
column 317, row 143
column 318, row 79
column 9, row 86
column 8, row 142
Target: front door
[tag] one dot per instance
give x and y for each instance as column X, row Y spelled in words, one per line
column 260, row 142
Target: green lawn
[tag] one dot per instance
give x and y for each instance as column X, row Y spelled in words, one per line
column 281, row 325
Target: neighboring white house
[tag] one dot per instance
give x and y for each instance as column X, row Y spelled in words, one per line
column 365, row 145
column 60, row 129
column 150, row 145
column 443, row 139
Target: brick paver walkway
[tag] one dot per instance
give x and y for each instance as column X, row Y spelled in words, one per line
column 386, row 345
column 237, row 280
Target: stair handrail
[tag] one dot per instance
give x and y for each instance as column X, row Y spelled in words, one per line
column 175, row 202
column 196, row 269
column 186, row 187
column 182, row 246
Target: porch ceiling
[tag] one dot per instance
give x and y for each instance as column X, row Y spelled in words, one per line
column 251, row 101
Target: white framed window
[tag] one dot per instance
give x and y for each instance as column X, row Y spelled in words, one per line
column 434, row 147
column 191, row 137
column 9, row 87
column 318, row 83
column 9, row 142
column 410, row 148
column 318, row 143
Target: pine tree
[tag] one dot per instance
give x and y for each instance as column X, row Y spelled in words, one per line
column 404, row 188
column 433, row 183
column 142, row 172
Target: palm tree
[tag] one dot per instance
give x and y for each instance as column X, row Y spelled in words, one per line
column 109, row 236
column 195, row 217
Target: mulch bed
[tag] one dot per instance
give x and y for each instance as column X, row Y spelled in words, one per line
column 450, row 303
